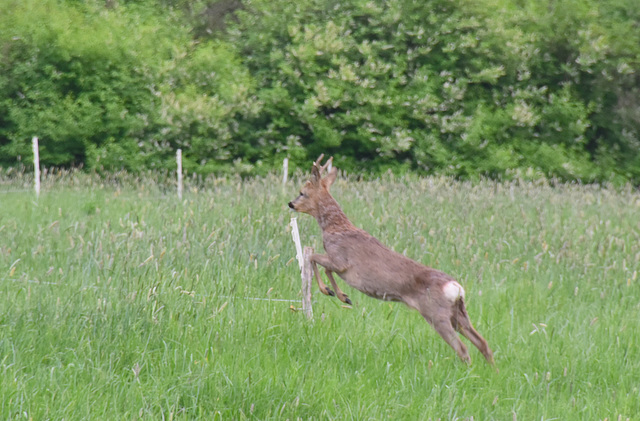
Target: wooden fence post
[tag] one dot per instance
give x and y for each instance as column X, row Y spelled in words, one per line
column 307, row 276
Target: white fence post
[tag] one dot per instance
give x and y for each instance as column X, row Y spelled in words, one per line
column 179, row 172
column 285, row 171
column 36, row 165
column 305, row 269
column 296, row 239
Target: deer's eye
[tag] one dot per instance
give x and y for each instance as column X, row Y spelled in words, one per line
column 301, row 194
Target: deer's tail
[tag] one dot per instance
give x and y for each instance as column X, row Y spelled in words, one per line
column 453, row 291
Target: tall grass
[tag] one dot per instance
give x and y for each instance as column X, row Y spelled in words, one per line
column 117, row 301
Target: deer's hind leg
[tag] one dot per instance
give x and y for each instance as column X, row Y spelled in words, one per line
column 449, row 334
column 341, row 295
column 440, row 319
column 460, row 320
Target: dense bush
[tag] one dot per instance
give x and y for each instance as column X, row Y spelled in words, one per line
column 464, row 88
column 76, row 79
column 115, row 88
column 460, row 87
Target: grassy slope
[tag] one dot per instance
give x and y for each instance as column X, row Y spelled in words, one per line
column 120, row 302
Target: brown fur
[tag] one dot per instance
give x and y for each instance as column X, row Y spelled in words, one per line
column 368, row 266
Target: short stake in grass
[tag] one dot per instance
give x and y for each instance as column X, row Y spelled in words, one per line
column 285, row 171
column 179, row 172
column 36, row 166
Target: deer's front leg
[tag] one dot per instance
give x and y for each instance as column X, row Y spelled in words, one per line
column 330, row 267
column 321, row 285
column 341, row 295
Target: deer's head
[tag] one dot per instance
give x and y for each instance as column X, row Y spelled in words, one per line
column 316, row 189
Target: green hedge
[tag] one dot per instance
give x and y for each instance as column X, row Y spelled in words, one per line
column 466, row 88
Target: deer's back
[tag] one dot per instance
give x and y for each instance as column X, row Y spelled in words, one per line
column 376, row 270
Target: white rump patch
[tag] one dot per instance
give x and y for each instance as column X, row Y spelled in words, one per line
column 453, row 291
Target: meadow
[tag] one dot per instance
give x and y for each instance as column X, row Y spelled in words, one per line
column 119, row 301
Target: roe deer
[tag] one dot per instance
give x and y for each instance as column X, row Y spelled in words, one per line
column 370, row 267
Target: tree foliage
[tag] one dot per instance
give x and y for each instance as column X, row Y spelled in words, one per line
column 461, row 87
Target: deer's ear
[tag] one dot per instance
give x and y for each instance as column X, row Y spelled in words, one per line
column 330, row 178
column 315, row 174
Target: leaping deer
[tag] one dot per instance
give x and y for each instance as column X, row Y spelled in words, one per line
column 368, row 266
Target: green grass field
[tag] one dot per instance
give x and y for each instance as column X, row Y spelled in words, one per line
column 117, row 301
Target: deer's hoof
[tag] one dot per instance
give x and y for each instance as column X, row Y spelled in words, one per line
column 329, row 292
column 347, row 300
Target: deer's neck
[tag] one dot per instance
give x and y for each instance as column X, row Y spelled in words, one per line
column 331, row 218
